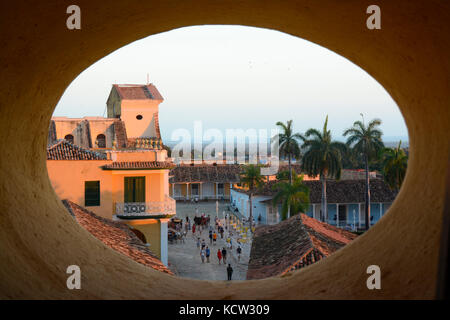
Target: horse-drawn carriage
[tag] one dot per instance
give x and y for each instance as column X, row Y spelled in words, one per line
column 174, row 232
column 175, row 223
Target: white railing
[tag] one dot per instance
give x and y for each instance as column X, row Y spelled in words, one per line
column 153, row 208
column 202, row 197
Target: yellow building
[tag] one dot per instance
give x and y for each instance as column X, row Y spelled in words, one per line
column 95, row 163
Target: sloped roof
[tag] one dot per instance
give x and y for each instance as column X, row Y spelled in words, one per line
column 342, row 191
column 350, row 191
column 137, row 92
column 120, row 134
column 115, row 235
column 222, row 173
column 51, row 138
column 346, row 174
column 291, row 244
column 64, row 150
column 138, row 165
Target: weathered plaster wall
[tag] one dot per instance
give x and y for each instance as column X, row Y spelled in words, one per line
column 68, row 178
column 40, row 57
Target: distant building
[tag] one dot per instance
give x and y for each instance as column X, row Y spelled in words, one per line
column 345, row 202
column 293, row 244
column 203, row 181
column 117, row 166
column 132, row 114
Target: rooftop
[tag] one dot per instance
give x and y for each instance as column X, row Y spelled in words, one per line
column 115, row 235
column 138, row 165
column 342, row 191
column 291, row 244
column 138, row 92
column 222, row 173
column 64, row 150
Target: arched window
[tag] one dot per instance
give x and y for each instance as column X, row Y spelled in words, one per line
column 140, row 235
column 69, row 138
column 101, row 141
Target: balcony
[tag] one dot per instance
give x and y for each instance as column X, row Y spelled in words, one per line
column 202, row 197
column 145, row 210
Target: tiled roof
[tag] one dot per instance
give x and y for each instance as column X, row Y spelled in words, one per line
column 294, row 166
column 64, row 150
column 51, row 139
column 291, row 244
column 350, row 191
column 342, row 191
column 222, row 173
column 115, row 235
column 137, row 91
column 346, row 174
column 138, row 165
column 120, row 134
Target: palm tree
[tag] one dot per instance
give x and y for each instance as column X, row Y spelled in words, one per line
column 284, row 175
column 251, row 178
column 323, row 157
column 395, row 162
column 365, row 141
column 294, row 197
column 289, row 143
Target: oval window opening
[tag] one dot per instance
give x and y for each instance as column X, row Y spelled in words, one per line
column 230, row 78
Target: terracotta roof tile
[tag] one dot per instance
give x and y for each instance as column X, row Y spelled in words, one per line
column 138, row 165
column 291, row 244
column 64, row 150
column 137, row 92
column 342, row 191
column 115, row 235
column 222, row 173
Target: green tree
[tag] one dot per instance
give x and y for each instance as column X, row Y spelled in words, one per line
column 289, row 143
column 365, row 141
column 323, row 157
column 251, row 178
column 283, row 175
column 293, row 197
column 395, row 162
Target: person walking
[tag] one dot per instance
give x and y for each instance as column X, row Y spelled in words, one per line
column 229, row 272
column 219, row 255
column 214, row 238
column 202, row 255
column 224, row 255
column 239, row 251
column 203, row 244
column 193, row 228
column 208, row 253
column 198, row 243
column 210, row 237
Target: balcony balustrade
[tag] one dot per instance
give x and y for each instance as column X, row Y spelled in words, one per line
column 146, row 209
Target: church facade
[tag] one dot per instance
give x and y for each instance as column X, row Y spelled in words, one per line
column 117, row 166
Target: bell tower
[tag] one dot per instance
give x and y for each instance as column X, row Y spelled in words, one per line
column 137, row 106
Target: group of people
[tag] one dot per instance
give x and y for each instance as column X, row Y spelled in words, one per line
column 205, row 253
column 201, row 223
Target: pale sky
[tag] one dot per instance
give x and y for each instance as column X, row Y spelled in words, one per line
column 234, row 77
